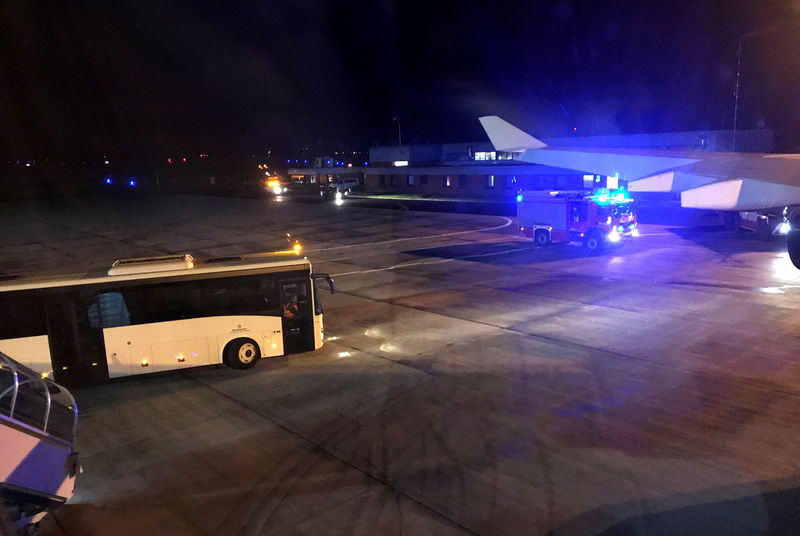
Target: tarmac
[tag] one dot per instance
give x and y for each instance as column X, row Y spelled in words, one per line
column 470, row 383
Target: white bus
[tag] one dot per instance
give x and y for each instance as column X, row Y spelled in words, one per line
column 155, row 314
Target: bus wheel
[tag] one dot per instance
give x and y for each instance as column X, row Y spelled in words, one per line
column 593, row 242
column 541, row 238
column 242, row 353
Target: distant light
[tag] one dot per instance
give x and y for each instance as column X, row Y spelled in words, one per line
column 277, row 190
column 132, row 183
column 305, row 161
column 184, row 159
column 784, row 228
column 349, row 165
column 400, row 163
column 108, row 180
column 288, row 161
column 519, row 198
column 365, row 163
column 169, row 160
column 105, row 162
column 574, row 129
column 329, row 162
column 297, row 247
column 614, row 236
column 619, row 197
column 144, row 362
column 602, row 198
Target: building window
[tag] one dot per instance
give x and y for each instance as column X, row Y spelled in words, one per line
column 490, row 181
column 410, row 180
column 446, row 181
column 462, row 181
column 485, row 155
column 393, row 180
column 382, row 180
column 423, row 180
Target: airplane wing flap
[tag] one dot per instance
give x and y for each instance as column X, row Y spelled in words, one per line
column 741, row 194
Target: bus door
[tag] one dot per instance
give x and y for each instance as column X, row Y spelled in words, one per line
column 298, row 316
column 76, row 350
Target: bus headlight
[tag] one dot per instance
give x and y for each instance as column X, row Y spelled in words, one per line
column 338, row 194
column 277, row 190
column 614, row 236
column 784, row 228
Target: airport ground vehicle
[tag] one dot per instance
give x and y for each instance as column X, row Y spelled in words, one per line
column 346, row 186
column 275, row 185
column 596, row 220
column 765, row 223
column 161, row 313
column 38, row 422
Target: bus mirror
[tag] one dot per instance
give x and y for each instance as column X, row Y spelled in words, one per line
column 327, row 278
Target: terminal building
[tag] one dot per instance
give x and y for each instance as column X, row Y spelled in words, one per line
column 476, row 170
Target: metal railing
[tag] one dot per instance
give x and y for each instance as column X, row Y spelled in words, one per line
column 36, row 402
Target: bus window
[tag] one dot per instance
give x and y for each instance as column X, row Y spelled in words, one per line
column 21, row 316
column 108, row 310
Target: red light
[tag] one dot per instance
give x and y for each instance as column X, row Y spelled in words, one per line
column 574, row 129
column 169, row 160
column 184, row 159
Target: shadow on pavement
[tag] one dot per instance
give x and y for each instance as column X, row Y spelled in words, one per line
column 772, row 513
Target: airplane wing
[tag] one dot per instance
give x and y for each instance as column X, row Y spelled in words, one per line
column 718, row 181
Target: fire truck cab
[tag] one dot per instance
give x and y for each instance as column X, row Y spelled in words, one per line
column 597, row 220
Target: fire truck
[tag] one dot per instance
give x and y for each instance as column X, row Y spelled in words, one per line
column 596, row 219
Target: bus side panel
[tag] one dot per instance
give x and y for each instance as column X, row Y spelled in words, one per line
column 33, row 352
column 160, row 346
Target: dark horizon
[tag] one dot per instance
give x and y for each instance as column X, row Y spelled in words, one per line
column 141, row 78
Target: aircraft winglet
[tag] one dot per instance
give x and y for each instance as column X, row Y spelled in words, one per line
column 507, row 137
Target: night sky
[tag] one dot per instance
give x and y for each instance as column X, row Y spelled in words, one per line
column 149, row 78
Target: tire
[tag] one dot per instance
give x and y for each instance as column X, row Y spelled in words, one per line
column 242, row 353
column 593, row 242
column 793, row 246
column 541, row 238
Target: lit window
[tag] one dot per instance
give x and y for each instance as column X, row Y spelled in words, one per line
column 485, row 155
column 446, row 181
column 400, row 163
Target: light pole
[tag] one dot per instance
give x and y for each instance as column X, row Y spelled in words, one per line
column 742, row 37
column 736, row 91
column 396, row 119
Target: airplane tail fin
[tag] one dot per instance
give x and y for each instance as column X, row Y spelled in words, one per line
column 507, row 137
